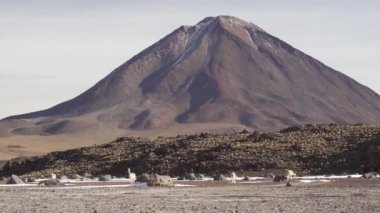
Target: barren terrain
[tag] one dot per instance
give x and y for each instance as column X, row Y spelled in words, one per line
column 308, row 149
column 348, row 195
column 12, row 146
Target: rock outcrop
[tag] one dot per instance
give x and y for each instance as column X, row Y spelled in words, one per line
column 15, row 180
column 160, row 180
column 309, row 149
column 105, row 178
column 50, row 182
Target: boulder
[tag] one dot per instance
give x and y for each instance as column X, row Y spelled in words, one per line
column 75, row 176
column 190, row 176
column 370, row 175
column 50, row 182
column 31, row 179
column 220, row 177
column 160, row 180
column 144, row 178
column 87, row 175
column 15, row 180
column 105, row 178
column 63, row 177
column 279, row 178
column 85, row 179
column 182, row 177
column 199, row 176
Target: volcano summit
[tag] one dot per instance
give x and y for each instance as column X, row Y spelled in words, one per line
column 223, row 74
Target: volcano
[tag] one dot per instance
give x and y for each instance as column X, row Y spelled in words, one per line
column 223, row 74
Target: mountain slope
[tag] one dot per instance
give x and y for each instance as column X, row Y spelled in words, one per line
column 222, row 74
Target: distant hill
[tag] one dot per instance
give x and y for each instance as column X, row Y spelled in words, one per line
column 221, row 75
column 308, row 149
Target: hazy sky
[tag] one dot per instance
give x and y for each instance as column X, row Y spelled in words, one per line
column 53, row 50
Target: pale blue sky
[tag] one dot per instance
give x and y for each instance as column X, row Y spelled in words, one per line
column 53, row 50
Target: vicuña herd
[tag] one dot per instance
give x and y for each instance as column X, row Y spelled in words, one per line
column 152, row 180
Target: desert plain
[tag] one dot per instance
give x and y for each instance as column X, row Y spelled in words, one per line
column 341, row 195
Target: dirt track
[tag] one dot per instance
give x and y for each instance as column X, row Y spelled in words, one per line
column 339, row 196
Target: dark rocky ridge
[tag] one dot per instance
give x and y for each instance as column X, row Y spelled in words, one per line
column 222, row 70
column 308, row 149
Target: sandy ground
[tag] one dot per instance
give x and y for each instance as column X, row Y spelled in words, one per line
column 12, row 146
column 336, row 196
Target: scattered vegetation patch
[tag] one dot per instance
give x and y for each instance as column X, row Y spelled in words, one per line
column 14, row 146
